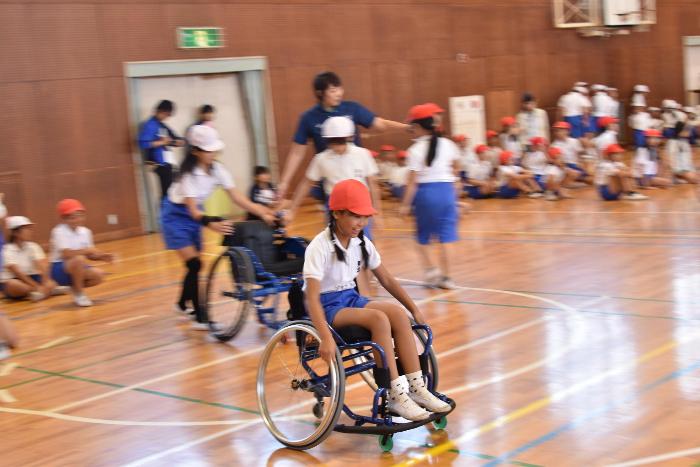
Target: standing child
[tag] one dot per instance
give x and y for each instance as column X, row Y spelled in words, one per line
column 640, row 122
column 512, row 179
column 433, row 192
column 647, row 162
column 682, row 164
column 72, row 248
column 182, row 213
column 332, row 262
column 613, row 178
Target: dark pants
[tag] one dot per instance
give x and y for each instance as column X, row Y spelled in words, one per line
column 165, row 175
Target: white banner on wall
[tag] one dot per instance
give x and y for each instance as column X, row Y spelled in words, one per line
column 467, row 117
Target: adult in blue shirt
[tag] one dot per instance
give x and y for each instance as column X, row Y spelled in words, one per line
column 155, row 139
column 329, row 91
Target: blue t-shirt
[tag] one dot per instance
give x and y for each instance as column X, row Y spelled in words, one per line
column 152, row 130
column 311, row 121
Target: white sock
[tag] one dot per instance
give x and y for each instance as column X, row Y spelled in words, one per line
column 415, row 380
column 399, row 386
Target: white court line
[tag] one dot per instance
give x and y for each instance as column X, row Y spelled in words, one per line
column 659, row 458
column 6, row 397
column 121, row 321
column 8, row 368
column 55, row 342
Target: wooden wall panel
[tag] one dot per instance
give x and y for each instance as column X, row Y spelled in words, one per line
column 65, row 126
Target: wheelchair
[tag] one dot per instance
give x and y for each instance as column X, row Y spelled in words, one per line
column 259, row 263
column 301, row 397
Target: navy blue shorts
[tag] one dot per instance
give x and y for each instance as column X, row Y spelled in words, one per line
column 397, row 191
column 606, row 194
column 435, row 207
column 508, row 192
column 35, row 278
column 475, row 192
column 179, row 229
column 333, row 302
column 576, row 123
column 640, row 139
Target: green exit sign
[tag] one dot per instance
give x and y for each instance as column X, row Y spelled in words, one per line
column 200, row 38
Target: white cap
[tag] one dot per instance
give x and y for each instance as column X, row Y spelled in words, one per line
column 581, row 89
column 15, row 222
column 654, row 109
column 667, row 104
column 637, row 104
column 205, row 138
column 338, row 127
column 578, row 84
column 641, row 88
column 599, row 87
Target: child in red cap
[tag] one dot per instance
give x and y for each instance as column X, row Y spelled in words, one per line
column 72, row 248
column 480, row 181
column 647, row 162
column 512, row 179
column 613, row 178
column 332, row 262
column 399, row 176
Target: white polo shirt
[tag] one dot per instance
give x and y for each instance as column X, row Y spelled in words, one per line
column 639, row 98
column 640, row 121
column 321, row 262
column 65, row 238
column 24, row 258
column 535, row 161
column 356, row 163
column 573, row 103
column 507, row 171
column 480, row 171
column 601, row 104
column 442, row 168
column 399, row 177
column 554, row 171
column 605, row 169
column 467, row 157
column 199, row 184
column 570, row 149
column 605, row 139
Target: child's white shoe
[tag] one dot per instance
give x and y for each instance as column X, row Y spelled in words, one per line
column 421, row 396
column 432, row 277
column 401, row 404
column 82, row 300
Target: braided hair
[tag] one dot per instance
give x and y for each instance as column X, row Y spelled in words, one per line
column 429, row 124
column 339, row 253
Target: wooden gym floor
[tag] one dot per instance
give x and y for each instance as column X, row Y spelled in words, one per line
column 574, row 340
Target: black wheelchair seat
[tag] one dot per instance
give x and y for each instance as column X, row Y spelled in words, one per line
column 260, row 238
column 354, row 334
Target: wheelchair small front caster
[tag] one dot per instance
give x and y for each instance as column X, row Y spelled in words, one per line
column 318, row 409
column 440, row 423
column 386, row 442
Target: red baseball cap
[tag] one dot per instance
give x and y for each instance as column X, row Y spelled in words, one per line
column 614, row 149
column 351, row 195
column 562, row 125
column 505, row 156
column 554, row 152
column 402, row 154
column 605, row 121
column 652, row 133
column 375, row 154
column 491, row 133
column 421, row 111
column 481, row 148
column 387, row 147
column 537, row 140
column 68, row 206
column 459, row 138
column 507, row 121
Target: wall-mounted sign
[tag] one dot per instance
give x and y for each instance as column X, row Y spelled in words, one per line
column 200, row 38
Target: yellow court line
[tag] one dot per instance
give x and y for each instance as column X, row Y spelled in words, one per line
column 564, row 233
column 532, row 407
column 126, row 320
column 55, row 342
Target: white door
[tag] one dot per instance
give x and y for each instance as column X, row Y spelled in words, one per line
column 190, row 92
column 691, row 63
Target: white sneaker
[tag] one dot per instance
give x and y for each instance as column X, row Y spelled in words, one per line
column 4, row 351
column 551, row 196
column 421, row 396
column 535, row 195
column 447, row 284
column 634, row 197
column 405, row 407
column 60, row 290
column 432, row 277
column 35, row 295
column 82, row 300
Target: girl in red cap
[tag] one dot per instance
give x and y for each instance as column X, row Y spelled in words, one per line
column 512, row 179
column 647, row 162
column 433, row 190
column 332, row 262
column 571, row 149
column 480, row 181
column 510, row 137
column 613, row 178
column 72, row 248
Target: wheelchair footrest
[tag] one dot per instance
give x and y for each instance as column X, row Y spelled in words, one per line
column 383, row 429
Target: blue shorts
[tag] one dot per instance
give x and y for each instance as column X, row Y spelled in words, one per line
column 179, row 229
column 333, row 302
column 317, row 193
column 508, row 192
column 606, row 194
column 541, row 181
column 397, row 191
column 59, row 274
column 577, row 168
column 475, row 192
column 576, row 123
column 640, row 139
column 435, row 207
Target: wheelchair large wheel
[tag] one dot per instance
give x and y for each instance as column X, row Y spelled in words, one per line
column 228, row 293
column 421, row 339
column 300, row 396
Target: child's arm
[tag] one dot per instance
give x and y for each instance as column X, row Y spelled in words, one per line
column 411, row 187
column 394, row 288
column 301, row 192
column 258, row 209
column 318, row 317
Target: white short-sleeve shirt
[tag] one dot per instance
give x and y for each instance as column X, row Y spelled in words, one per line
column 321, row 262
column 570, row 149
column 480, row 170
column 442, row 168
column 643, row 163
column 199, row 184
column 23, row 257
column 554, row 171
column 65, row 238
column 604, row 140
column 604, row 170
column 355, row 163
column 640, row 121
column 573, row 104
column 507, row 171
column 535, row 161
column 399, row 177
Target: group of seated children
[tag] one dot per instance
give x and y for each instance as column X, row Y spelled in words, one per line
column 26, row 271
